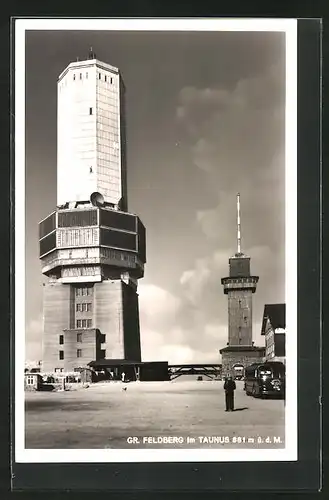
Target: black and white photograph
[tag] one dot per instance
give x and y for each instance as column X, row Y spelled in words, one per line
column 156, row 240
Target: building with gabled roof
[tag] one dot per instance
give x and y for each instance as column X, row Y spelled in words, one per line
column 274, row 330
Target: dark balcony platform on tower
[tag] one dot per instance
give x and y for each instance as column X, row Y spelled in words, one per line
column 240, row 283
column 243, row 348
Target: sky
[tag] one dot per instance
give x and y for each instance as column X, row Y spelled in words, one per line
column 205, row 120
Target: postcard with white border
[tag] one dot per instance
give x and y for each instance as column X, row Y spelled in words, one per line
column 155, row 240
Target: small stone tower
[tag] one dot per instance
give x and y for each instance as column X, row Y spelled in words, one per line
column 239, row 287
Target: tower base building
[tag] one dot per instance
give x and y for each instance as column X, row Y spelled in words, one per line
column 90, row 300
column 236, row 358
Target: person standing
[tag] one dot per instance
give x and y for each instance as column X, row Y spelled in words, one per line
column 123, row 376
column 229, row 388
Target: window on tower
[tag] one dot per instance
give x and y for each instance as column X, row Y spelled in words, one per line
column 83, row 291
column 90, row 111
column 80, row 76
column 105, row 78
column 73, row 77
column 87, row 75
column 99, row 76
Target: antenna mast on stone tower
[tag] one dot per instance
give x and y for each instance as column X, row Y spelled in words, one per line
column 238, row 221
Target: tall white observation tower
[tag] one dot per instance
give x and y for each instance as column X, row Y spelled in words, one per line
column 92, row 250
column 91, row 149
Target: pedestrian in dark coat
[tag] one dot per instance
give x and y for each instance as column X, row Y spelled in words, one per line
column 229, row 388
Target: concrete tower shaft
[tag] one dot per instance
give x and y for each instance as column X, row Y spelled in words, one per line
column 91, row 135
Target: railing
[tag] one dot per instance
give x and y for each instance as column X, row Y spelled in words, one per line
column 208, row 370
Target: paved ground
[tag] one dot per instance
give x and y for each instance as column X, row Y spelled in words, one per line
column 104, row 416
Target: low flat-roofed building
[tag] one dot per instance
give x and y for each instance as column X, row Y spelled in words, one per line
column 112, row 369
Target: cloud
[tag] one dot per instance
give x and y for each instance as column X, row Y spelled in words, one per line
column 202, row 283
column 182, row 329
column 201, row 287
column 203, row 151
column 235, row 130
column 157, row 306
column 236, row 137
column 194, row 280
column 195, row 345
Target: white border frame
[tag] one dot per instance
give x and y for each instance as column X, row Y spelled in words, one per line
column 289, row 453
